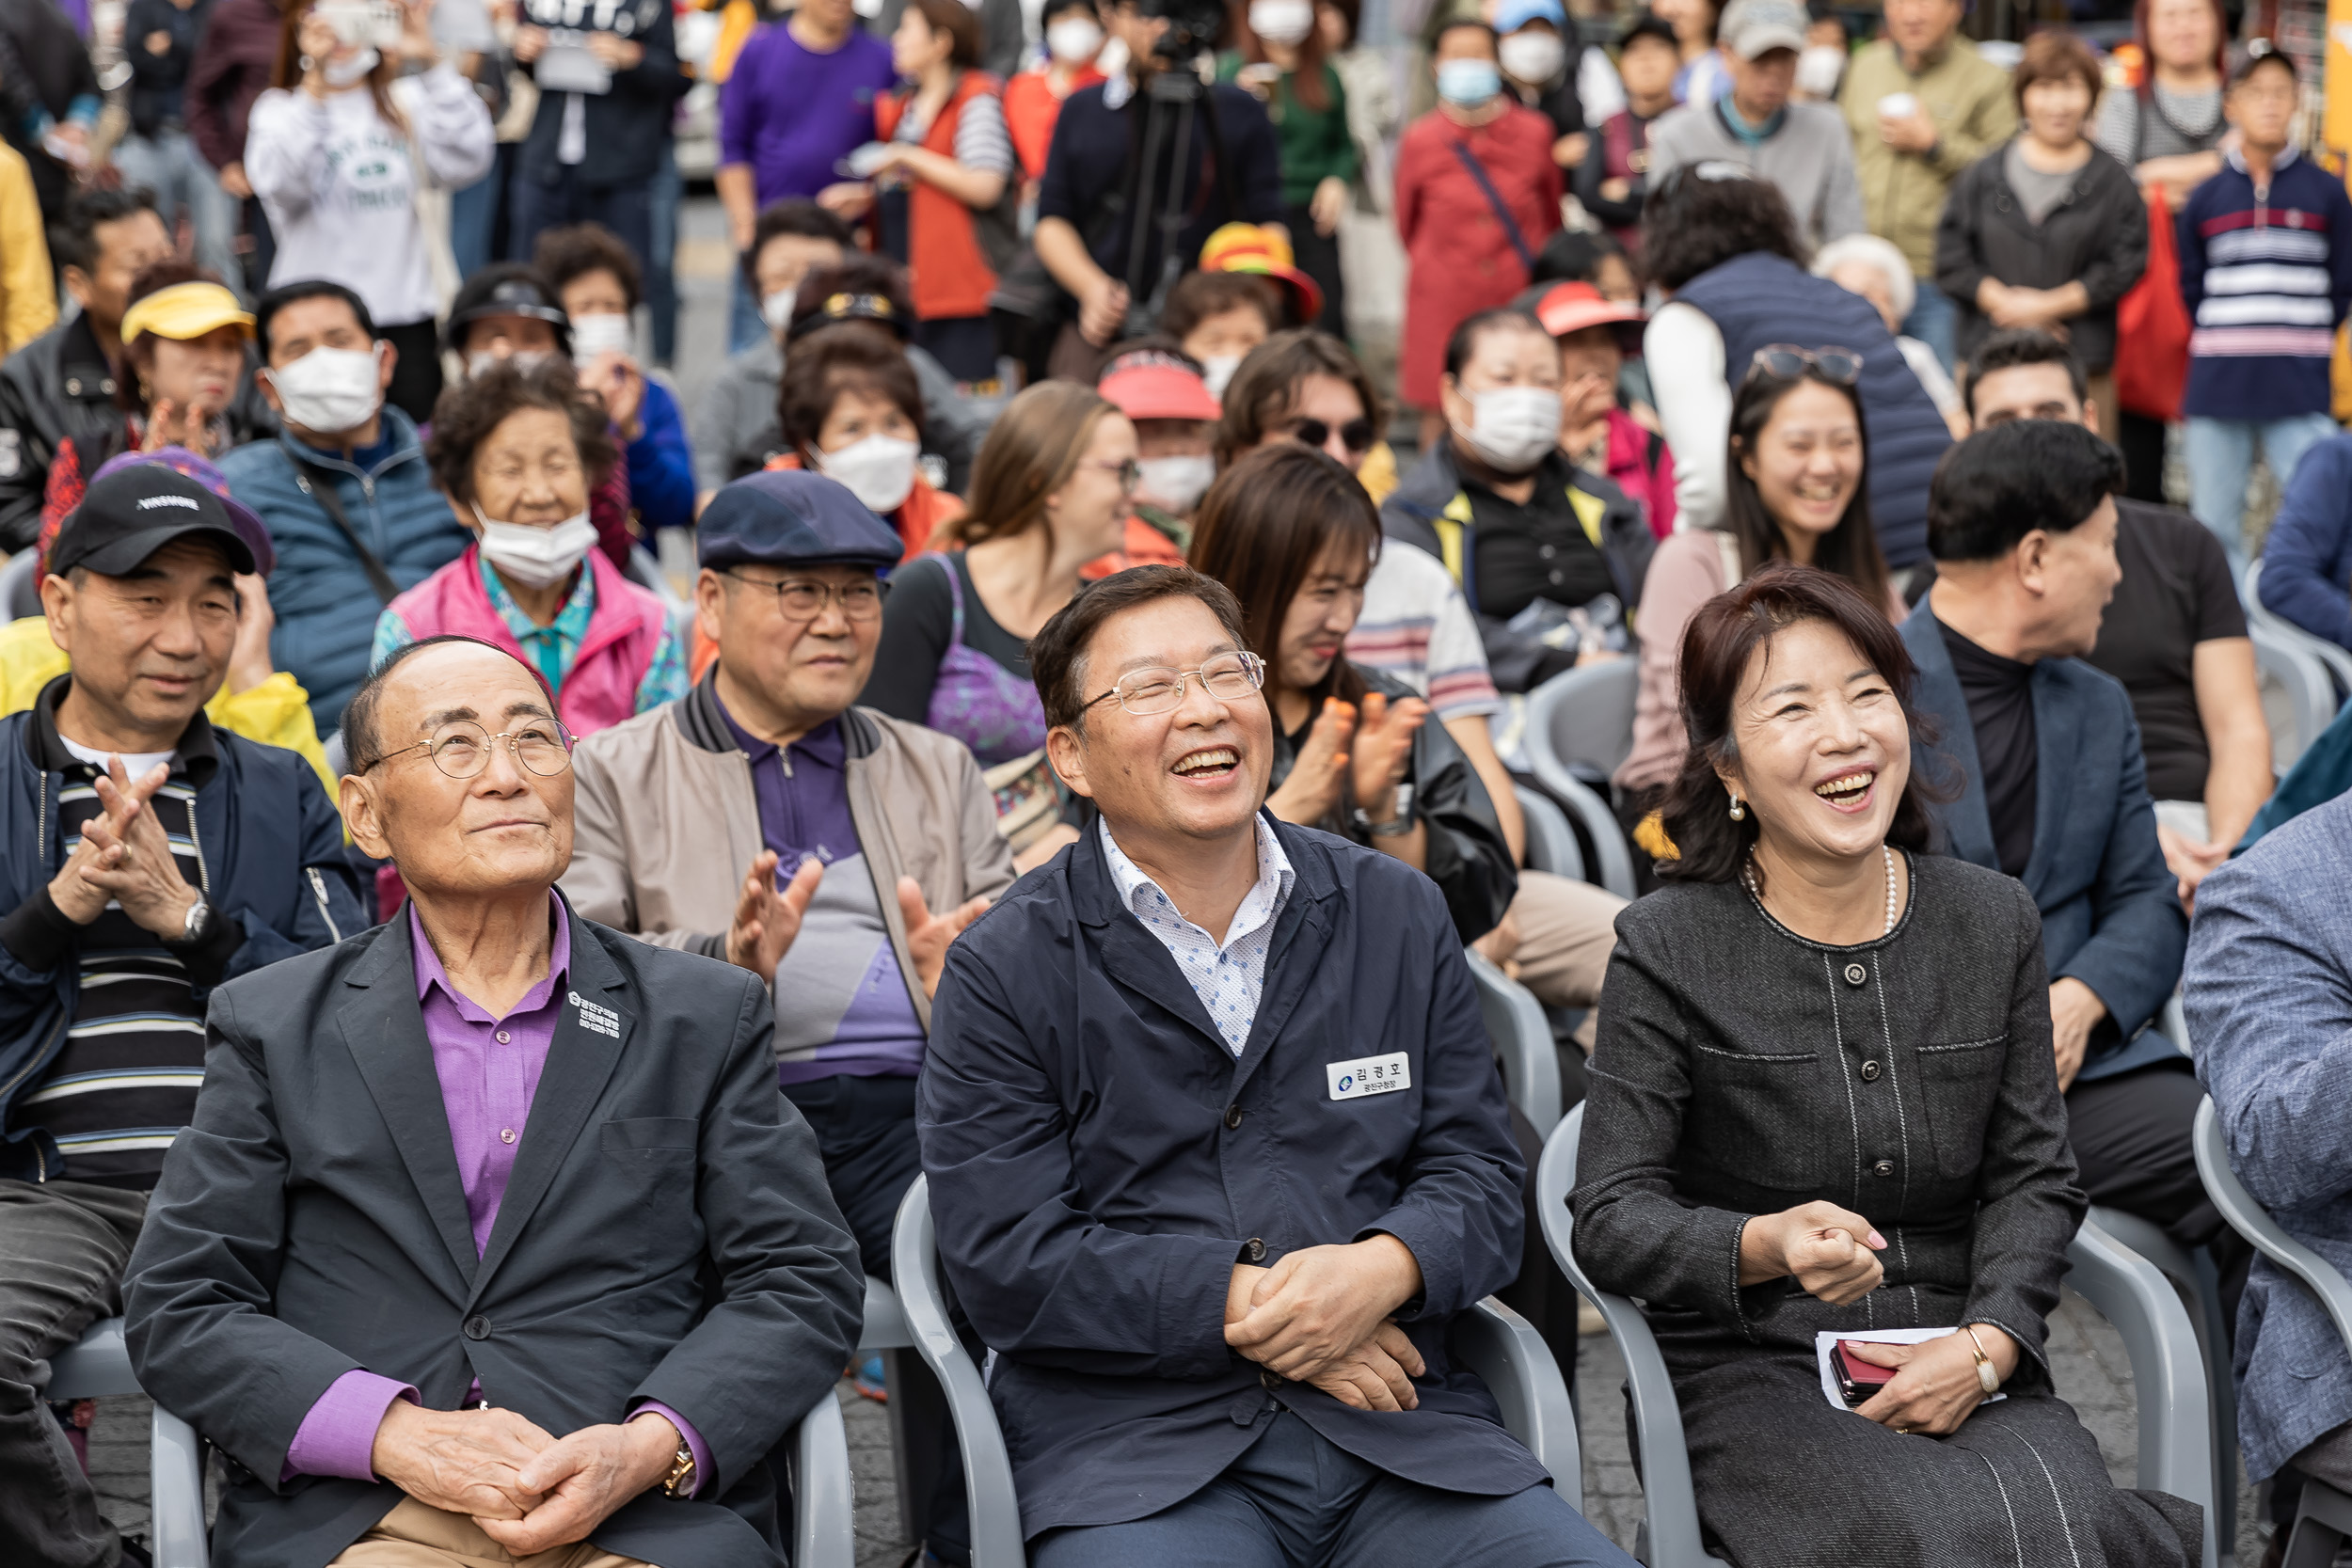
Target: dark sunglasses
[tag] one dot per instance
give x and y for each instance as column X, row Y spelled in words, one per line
column 1787, row 361
column 1356, row 434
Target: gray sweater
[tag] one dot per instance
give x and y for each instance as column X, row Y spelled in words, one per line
column 1810, row 158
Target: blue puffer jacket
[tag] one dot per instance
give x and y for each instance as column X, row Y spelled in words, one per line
column 271, row 848
column 320, row 595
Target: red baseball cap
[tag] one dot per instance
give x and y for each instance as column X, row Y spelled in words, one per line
column 1566, row 307
column 1154, row 383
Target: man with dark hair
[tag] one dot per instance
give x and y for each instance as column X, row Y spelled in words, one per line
column 734, row 424
column 151, row 857
column 2054, row 790
column 1194, row 990
column 608, row 79
column 2174, row 633
column 343, row 488
column 63, row 383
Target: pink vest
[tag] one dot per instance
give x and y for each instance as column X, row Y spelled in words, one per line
column 623, row 634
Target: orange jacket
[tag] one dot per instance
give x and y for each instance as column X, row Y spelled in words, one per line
column 1031, row 109
column 949, row 272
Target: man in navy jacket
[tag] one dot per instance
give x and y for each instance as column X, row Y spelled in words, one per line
column 1218, row 1150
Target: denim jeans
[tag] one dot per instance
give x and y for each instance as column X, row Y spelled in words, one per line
column 167, row 164
column 1296, row 1498
column 1931, row 320
column 2221, row 462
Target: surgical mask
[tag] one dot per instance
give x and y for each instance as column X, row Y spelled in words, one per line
column 1533, row 58
column 776, row 308
column 1282, row 22
column 1467, row 84
column 1175, row 483
column 1217, row 370
column 536, row 557
column 1074, row 40
column 330, row 390
column 350, row 72
column 1513, row 427
column 879, row 471
column 607, row 332
column 483, row 359
column 1818, row 68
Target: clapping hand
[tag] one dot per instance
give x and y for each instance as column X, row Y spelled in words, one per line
column 248, row 657
column 767, row 920
column 614, row 51
column 77, row 897
column 136, row 866
column 929, row 934
column 1384, row 750
column 1319, row 777
column 614, row 377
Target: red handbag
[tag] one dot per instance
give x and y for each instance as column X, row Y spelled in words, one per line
column 2152, row 326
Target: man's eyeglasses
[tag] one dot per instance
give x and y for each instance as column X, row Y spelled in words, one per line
column 1228, row 678
column 805, row 601
column 1356, row 434
column 461, row 747
column 1788, row 361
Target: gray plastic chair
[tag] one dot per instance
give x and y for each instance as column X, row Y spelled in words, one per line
column 1582, row 718
column 2338, row 661
column 1522, row 1041
column 824, row 1522
column 2310, row 695
column 2175, row 1451
column 1498, row 1344
column 2324, row 1518
column 1551, row 841
column 20, row 585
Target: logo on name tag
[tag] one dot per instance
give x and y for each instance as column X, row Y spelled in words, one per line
column 596, row 1020
column 1369, row 1075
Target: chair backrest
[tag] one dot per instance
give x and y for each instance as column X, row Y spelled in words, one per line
column 2310, row 694
column 2338, row 661
column 2251, row 1221
column 20, row 585
column 1551, row 841
column 1582, row 719
column 1522, row 1041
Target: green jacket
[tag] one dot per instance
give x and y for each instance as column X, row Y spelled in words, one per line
column 1315, row 143
column 1902, row 192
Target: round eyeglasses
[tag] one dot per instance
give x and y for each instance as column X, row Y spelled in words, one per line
column 461, row 747
column 1228, row 678
column 802, row 600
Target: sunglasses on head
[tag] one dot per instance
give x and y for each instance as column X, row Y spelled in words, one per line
column 1787, row 361
column 1356, row 434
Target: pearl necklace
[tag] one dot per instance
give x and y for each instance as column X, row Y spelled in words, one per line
column 1747, row 874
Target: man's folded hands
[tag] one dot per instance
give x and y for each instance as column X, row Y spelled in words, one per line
column 528, row 1491
column 1320, row 1315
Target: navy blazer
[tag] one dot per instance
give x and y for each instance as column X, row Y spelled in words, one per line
column 1100, row 1160
column 667, row 1234
column 2111, row 913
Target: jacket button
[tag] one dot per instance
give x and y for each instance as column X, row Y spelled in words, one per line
column 1256, row 1249
column 1870, row 1072
column 1855, row 975
column 1232, row 1115
column 74, row 387
column 1885, row 1168
column 477, row 1327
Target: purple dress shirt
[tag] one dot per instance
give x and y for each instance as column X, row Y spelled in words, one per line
column 490, row 1070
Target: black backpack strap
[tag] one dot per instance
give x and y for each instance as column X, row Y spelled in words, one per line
column 319, row 485
column 1494, row 199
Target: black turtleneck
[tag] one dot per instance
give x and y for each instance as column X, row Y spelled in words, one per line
column 1999, row 692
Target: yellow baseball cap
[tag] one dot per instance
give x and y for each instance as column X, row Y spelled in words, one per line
column 1251, row 247
column 185, row 310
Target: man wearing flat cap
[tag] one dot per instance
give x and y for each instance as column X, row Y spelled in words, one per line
column 149, row 859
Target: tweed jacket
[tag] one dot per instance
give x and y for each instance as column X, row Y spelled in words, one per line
column 2268, row 995
column 1743, row 1069
column 2110, row 915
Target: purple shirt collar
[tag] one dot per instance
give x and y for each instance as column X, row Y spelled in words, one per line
column 431, row 973
column 822, row 745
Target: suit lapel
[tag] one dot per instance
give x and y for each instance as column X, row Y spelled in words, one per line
column 1131, row 956
column 1967, row 822
column 580, row 1061
column 1306, row 919
column 383, row 1026
column 2057, row 723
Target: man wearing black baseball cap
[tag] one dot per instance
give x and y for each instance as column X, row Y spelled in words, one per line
column 152, row 857
column 764, row 820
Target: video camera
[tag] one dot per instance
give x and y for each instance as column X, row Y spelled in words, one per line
column 1193, row 25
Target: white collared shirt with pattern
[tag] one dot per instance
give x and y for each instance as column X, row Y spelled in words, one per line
column 1227, row 978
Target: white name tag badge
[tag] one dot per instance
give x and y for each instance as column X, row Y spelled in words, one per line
column 1369, row 1075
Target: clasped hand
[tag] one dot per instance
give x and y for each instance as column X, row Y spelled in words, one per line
column 528, row 1491
column 1831, row 1252
column 125, row 856
column 1351, row 760
column 1935, row 1386
column 1320, row 1316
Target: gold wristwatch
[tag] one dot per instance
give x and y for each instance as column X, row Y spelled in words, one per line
column 679, row 1482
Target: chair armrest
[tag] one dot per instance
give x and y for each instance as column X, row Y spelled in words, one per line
column 2251, row 1221
column 1614, row 861
column 823, row 1533
column 2167, row 1369
column 885, row 1323
column 1520, row 1369
column 96, row 1367
column 996, row 1507
column 1522, row 1041
column 176, row 1493
column 1551, row 841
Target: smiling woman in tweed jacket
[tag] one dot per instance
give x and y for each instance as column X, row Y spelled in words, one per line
column 1823, row 1098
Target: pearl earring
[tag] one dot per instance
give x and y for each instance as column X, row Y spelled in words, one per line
column 1739, row 811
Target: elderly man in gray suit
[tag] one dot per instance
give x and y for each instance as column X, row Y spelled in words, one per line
column 2268, row 995
column 492, row 1237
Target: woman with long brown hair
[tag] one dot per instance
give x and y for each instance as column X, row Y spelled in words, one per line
column 338, row 150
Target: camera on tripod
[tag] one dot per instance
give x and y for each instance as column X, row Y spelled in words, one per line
column 1154, row 200
column 1193, row 25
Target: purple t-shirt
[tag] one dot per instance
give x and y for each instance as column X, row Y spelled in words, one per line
column 792, row 114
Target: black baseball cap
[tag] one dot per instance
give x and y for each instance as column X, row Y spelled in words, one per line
column 128, row 515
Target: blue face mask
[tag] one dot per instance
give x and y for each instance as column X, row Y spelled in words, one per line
column 1468, row 83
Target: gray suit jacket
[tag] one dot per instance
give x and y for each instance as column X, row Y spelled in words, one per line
column 2110, row 915
column 2269, row 1003
column 667, row 1234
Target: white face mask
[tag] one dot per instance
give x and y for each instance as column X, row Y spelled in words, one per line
column 879, row 471
column 1513, row 427
column 1818, row 68
column 1074, row 40
column 350, row 72
column 1282, row 22
column 536, row 557
column 1533, row 58
column 1175, row 483
column 607, row 332
column 1217, row 370
column 776, row 308
column 482, row 359
column 330, row 390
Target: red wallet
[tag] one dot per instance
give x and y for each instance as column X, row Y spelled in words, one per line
column 1857, row 1379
